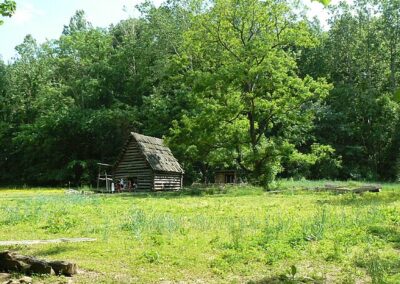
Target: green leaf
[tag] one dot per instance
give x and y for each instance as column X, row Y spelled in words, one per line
column 323, row 2
column 293, row 270
column 396, row 96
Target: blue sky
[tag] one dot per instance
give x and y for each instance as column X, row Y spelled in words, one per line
column 45, row 19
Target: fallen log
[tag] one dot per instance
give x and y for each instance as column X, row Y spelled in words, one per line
column 368, row 188
column 13, row 262
column 38, row 242
column 331, row 186
column 334, row 188
column 339, row 189
column 274, row 191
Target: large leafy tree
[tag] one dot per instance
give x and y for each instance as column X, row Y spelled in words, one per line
column 247, row 103
column 62, row 112
column 146, row 52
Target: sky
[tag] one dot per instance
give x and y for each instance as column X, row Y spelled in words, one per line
column 45, row 19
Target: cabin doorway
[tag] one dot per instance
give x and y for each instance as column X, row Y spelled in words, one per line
column 225, row 177
column 230, row 178
column 132, row 183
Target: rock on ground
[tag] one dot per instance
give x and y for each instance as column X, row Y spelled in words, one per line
column 12, row 262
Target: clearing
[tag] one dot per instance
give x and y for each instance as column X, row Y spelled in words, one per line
column 230, row 235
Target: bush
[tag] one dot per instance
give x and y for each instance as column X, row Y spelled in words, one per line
column 60, row 221
column 320, row 163
column 327, row 164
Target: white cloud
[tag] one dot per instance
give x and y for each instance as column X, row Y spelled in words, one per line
column 102, row 14
column 25, row 13
column 318, row 10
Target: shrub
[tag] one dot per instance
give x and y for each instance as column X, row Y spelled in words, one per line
column 327, row 164
column 60, row 221
column 320, row 162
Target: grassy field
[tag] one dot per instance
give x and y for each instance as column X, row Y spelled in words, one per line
column 230, row 235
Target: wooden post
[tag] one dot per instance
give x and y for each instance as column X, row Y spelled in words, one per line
column 105, row 173
column 98, row 180
column 181, row 180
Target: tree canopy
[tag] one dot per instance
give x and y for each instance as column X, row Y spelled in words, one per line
column 248, row 85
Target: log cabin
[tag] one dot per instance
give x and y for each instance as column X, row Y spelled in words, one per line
column 146, row 162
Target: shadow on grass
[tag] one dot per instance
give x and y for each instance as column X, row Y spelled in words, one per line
column 283, row 279
column 389, row 233
column 55, row 250
column 216, row 191
column 367, row 199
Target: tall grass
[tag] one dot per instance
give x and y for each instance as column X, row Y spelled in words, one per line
column 218, row 234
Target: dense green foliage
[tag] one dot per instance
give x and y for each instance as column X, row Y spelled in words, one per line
column 229, row 235
column 248, row 85
column 7, row 8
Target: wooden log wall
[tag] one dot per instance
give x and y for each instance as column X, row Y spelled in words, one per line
column 167, row 181
column 134, row 164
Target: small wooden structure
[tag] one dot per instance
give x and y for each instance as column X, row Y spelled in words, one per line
column 226, row 177
column 104, row 177
column 148, row 164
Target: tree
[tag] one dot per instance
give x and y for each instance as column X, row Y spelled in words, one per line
column 77, row 23
column 62, row 114
column 144, row 62
column 7, row 9
column 247, row 102
column 360, row 116
column 389, row 24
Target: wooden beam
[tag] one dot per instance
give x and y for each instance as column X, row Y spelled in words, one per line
column 38, row 242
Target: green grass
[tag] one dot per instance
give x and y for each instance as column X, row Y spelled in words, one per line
column 213, row 235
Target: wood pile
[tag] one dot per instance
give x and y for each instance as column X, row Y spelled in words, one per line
column 11, row 262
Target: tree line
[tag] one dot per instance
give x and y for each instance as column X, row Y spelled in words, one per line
column 249, row 85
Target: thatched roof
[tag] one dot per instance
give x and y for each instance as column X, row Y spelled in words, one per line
column 157, row 154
